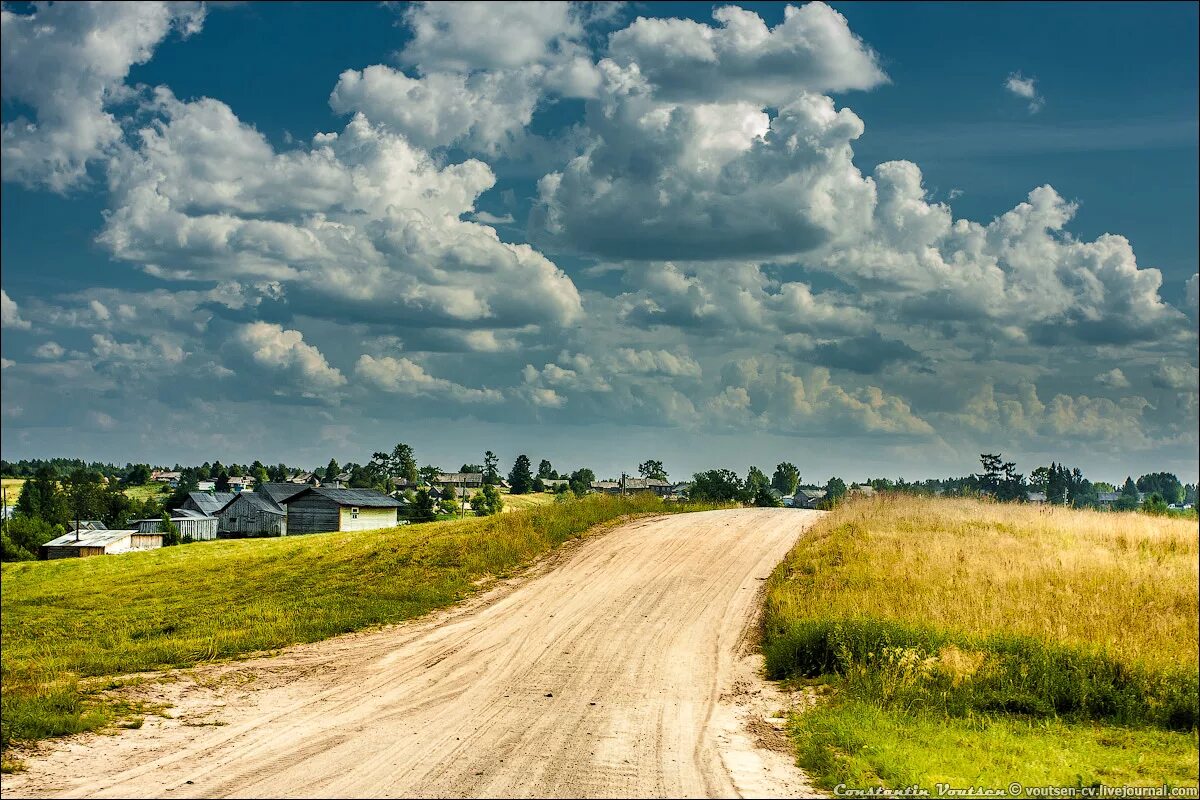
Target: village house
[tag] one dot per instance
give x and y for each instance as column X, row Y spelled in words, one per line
column 807, row 498
column 241, row 483
column 634, row 485
column 206, row 486
column 99, row 543
column 305, row 478
column 320, row 510
column 207, row 503
column 552, row 484
column 164, row 476
column 195, row 524
column 460, row 480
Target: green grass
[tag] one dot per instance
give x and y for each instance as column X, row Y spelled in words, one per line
column 1010, row 636
column 67, row 623
column 145, row 491
column 861, row 744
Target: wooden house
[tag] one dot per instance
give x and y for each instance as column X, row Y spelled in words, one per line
column 253, row 514
column 460, row 480
column 99, row 543
column 320, row 510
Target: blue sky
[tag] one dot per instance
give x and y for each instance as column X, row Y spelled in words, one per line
column 561, row 230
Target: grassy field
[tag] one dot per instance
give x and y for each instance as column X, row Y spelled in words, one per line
column 12, row 488
column 160, row 491
column 976, row 643
column 520, row 502
column 69, row 625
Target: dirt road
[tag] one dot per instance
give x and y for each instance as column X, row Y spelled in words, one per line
column 621, row 669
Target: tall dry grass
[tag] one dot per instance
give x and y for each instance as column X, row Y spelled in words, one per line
column 973, row 606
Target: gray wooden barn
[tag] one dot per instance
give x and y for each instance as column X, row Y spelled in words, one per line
column 253, row 514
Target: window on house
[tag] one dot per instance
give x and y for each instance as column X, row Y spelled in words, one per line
column 354, row 512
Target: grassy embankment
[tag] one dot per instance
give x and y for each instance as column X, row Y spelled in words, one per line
column 70, row 625
column 977, row 644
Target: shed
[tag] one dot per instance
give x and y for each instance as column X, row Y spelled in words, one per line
column 254, row 514
column 98, row 543
column 319, row 510
column 195, row 524
column 207, row 503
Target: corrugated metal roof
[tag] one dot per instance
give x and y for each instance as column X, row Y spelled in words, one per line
column 190, row 514
column 89, row 538
column 280, row 491
column 367, row 498
column 211, row 502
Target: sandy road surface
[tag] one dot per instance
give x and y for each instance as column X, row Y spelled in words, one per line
column 622, row 669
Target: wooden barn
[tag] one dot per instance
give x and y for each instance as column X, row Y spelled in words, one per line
column 207, row 503
column 98, row 543
column 253, row 514
column 199, row 526
column 320, row 510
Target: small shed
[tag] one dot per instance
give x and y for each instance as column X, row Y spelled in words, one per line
column 99, row 543
column 320, row 510
column 195, row 524
column 253, row 514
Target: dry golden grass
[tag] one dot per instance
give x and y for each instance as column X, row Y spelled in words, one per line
column 1124, row 582
column 978, row 643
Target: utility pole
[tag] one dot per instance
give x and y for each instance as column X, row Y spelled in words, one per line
column 622, row 484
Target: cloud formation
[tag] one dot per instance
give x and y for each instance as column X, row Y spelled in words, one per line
column 703, row 253
column 68, row 62
column 1026, row 89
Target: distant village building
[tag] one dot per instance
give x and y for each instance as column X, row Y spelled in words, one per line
column 807, row 498
column 165, row 476
column 460, row 480
column 206, row 486
column 99, row 543
column 241, row 483
column 634, row 486
column 208, row 503
column 1037, row 498
column 195, row 524
column 320, row 510
column 552, row 484
column 861, row 490
column 306, row 478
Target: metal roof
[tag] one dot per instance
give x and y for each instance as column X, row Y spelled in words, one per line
column 89, row 539
column 211, row 502
column 367, row 498
column 188, row 513
column 280, row 491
